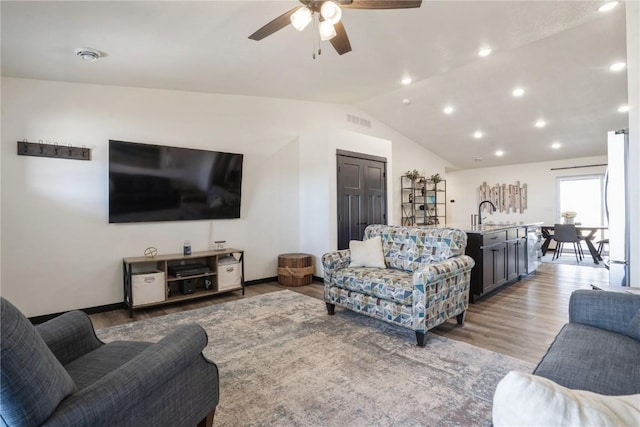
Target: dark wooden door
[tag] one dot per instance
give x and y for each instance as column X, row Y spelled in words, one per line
column 362, row 195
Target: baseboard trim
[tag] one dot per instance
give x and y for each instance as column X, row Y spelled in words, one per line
column 317, row 279
column 90, row 310
column 259, row 281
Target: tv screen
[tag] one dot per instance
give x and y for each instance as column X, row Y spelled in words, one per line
column 149, row 183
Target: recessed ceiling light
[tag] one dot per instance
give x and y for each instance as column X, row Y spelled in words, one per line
column 485, row 51
column 556, row 145
column 623, row 109
column 608, row 6
column 406, row 101
column 499, row 153
column 541, row 123
column 618, row 66
column 477, row 134
column 406, row 81
column 448, row 109
column 518, row 92
column 87, row 54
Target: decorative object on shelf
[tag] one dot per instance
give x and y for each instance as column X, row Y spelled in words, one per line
column 219, row 244
column 569, row 216
column 436, row 178
column 151, row 252
column 186, row 248
column 40, row 149
column 506, row 198
column 412, row 175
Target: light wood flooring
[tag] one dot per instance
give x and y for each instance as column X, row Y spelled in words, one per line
column 520, row 320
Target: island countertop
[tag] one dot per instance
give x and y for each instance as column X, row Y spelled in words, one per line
column 490, row 227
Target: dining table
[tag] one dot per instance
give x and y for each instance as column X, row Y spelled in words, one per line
column 587, row 232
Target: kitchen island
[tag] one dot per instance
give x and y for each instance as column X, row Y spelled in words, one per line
column 503, row 253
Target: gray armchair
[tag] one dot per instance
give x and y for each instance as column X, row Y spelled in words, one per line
column 60, row 374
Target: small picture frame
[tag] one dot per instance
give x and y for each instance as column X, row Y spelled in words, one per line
column 219, row 244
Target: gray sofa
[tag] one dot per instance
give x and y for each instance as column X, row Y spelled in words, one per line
column 60, row 374
column 599, row 349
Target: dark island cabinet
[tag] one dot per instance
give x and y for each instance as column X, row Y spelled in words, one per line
column 500, row 258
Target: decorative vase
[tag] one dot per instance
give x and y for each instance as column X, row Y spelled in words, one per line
column 568, row 220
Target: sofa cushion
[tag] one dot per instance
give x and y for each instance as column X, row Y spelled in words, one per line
column 529, row 400
column 388, row 284
column 367, row 253
column 587, row 358
column 33, row 381
column 410, row 248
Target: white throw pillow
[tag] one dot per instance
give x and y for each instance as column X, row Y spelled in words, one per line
column 367, row 253
column 529, row 400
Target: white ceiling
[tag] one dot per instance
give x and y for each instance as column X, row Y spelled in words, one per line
column 559, row 51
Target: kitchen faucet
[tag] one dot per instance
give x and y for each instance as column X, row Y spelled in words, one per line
column 480, row 208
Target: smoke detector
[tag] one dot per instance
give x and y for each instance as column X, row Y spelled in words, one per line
column 88, row 54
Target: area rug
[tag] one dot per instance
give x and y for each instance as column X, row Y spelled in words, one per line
column 284, row 362
column 570, row 259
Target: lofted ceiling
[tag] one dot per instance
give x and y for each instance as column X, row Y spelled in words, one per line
column 558, row 51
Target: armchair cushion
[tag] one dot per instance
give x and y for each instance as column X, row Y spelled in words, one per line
column 34, row 382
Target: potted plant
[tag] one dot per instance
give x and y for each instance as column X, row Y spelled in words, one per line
column 436, row 178
column 412, row 175
column 569, row 216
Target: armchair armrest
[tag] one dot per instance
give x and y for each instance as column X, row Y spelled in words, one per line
column 123, row 389
column 69, row 336
column 336, row 260
column 612, row 311
column 431, row 274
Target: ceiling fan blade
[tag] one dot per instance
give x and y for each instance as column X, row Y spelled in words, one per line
column 341, row 41
column 380, row 4
column 277, row 24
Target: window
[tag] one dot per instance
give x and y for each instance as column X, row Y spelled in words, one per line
column 583, row 195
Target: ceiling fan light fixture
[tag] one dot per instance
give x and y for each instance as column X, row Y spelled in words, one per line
column 301, row 18
column 331, row 12
column 327, row 30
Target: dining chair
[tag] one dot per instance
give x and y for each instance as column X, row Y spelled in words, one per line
column 566, row 233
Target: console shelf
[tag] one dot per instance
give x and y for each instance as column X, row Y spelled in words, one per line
column 150, row 282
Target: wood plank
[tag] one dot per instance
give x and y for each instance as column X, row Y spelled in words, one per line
column 520, row 320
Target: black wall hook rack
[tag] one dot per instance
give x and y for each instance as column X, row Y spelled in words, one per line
column 40, row 149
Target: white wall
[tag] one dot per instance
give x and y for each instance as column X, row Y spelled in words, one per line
column 58, row 250
column 463, row 187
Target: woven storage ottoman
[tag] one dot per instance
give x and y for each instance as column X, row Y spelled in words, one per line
column 295, row 269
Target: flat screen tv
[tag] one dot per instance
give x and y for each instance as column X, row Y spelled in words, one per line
column 149, row 183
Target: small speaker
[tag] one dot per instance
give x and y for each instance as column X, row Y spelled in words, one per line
column 188, row 286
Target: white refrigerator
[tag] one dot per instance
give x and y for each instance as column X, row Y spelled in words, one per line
column 617, row 207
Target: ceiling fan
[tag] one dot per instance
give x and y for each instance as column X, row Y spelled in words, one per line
column 329, row 13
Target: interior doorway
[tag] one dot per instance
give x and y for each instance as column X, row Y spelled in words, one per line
column 362, row 194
